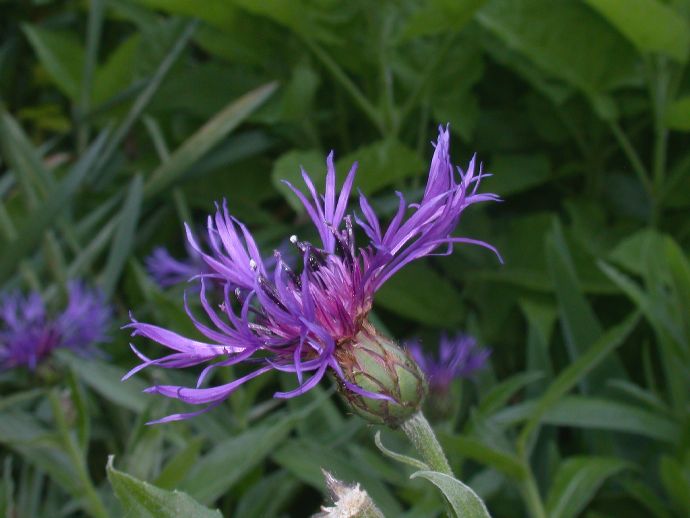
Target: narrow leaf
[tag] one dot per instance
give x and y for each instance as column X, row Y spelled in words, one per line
column 474, row 449
column 570, row 376
column 61, row 55
column 143, row 500
column 678, row 114
column 576, row 482
column 464, row 501
column 581, row 328
column 105, row 379
column 206, row 137
column 31, row 232
column 123, row 241
column 604, row 414
column 397, row 456
column 215, row 473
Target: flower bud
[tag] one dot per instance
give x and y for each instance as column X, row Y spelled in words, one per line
column 379, row 366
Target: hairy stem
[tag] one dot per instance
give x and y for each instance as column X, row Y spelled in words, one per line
column 422, row 436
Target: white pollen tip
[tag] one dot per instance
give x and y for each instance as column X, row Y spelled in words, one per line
column 293, row 239
column 252, row 264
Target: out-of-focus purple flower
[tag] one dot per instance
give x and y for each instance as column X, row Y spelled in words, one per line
column 168, row 271
column 458, row 357
column 300, row 321
column 28, row 334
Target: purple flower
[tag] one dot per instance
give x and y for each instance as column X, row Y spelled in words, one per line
column 168, row 271
column 298, row 321
column 458, row 357
column 28, row 334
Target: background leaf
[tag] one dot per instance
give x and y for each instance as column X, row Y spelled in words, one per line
column 576, row 482
column 464, row 501
column 140, row 499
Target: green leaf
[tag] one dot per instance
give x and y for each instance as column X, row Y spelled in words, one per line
column 647, row 496
column 581, row 327
column 303, row 18
column 57, row 199
column 220, row 13
column 410, row 461
column 576, row 482
column 123, row 241
column 144, row 98
column 419, row 293
column 7, row 504
column 605, row 414
column 566, row 41
column 676, row 481
column 502, row 392
column 305, row 460
column 282, row 487
column 649, row 305
column 116, row 73
column 176, row 469
column 678, row 114
column 61, row 55
column 633, row 252
column 515, row 173
column 143, row 500
column 464, row 501
column 382, row 163
column 25, row 159
column 206, row 137
column 471, row 448
column 215, row 473
column 679, row 267
column 541, row 319
column 649, row 25
column 105, row 379
column 288, row 167
column 24, row 434
column 577, row 370
column 440, row 16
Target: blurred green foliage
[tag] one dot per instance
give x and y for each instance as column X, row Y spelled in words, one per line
column 120, row 119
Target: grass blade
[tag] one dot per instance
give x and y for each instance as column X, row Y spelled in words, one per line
column 567, row 379
column 206, row 137
column 145, row 96
column 123, row 242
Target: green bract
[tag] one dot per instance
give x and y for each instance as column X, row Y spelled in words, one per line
column 378, row 365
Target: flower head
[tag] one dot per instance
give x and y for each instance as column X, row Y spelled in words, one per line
column 301, row 320
column 458, row 357
column 28, row 334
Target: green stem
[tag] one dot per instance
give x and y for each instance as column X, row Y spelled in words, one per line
column 632, row 156
column 94, row 502
column 531, row 495
column 422, row 436
column 658, row 88
column 529, row 488
column 350, row 87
